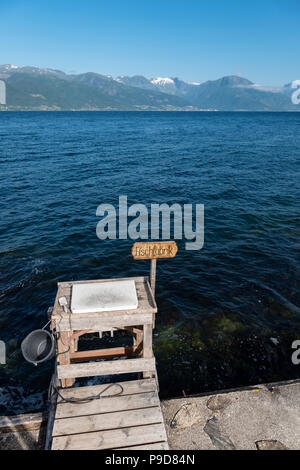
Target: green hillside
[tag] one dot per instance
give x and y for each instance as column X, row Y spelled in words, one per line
column 32, row 91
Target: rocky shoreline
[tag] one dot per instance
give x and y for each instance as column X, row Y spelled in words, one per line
column 263, row 417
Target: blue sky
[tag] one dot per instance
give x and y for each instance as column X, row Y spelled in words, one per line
column 194, row 40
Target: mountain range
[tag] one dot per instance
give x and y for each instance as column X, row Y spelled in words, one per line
column 33, row 88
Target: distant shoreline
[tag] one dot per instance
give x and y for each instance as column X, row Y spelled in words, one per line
column 150, row 110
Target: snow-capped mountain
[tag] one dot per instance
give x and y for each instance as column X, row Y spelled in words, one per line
column 45, row 88
column 8, row 69
column 227, row 93
column 164, row 84
column 163, row 81
column 172, row 86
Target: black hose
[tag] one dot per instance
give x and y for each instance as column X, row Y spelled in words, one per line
column 73, row 399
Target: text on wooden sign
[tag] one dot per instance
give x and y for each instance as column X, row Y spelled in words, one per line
column 154, row 250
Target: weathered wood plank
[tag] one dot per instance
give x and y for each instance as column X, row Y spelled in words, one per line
column 154, row 446
column 103, row 321
column 81, row 356
column 25, row 422
column 92, row 369
column 139, row 279
column 102, row 422
column 129, row 388
column 107, row 405
column 52, row 413
column 64, row 347
column 132, row 329
column 147, row 349
column 111, row 439
column 147, row 342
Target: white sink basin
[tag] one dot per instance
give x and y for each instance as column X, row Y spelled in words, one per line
column 104, row 297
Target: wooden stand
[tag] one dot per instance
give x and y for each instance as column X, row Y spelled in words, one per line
column 131, row 419
column 69, row 327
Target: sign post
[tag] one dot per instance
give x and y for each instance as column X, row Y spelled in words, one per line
column 154, row 251
column 153, row 275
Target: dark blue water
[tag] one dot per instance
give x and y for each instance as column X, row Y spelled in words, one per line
column 228, row 313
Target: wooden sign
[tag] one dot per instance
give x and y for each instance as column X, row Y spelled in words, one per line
column 154, row 250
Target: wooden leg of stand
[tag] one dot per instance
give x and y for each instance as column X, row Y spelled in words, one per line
column 64, row 345
column 147, row 347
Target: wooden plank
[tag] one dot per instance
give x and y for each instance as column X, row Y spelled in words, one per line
column 151, row 297
column 103, row 321
column 132, row 329
column 63, row 357
column 138, row 279
column 111, row 439
column 81, row 356
column 129, row 388
column 24, row 422
column 77, row 334
column 51, row 416
column 65, row 288
column 102, row 422
column 107, row 405
column 139, row 341
column 147, row 341
column 154, row 446
column 147, row 350
column 92, row 369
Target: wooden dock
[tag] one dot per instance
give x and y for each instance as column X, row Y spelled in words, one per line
column 132, row 420
column 123, row 415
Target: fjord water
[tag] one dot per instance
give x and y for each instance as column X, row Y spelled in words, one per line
column 228, row 314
